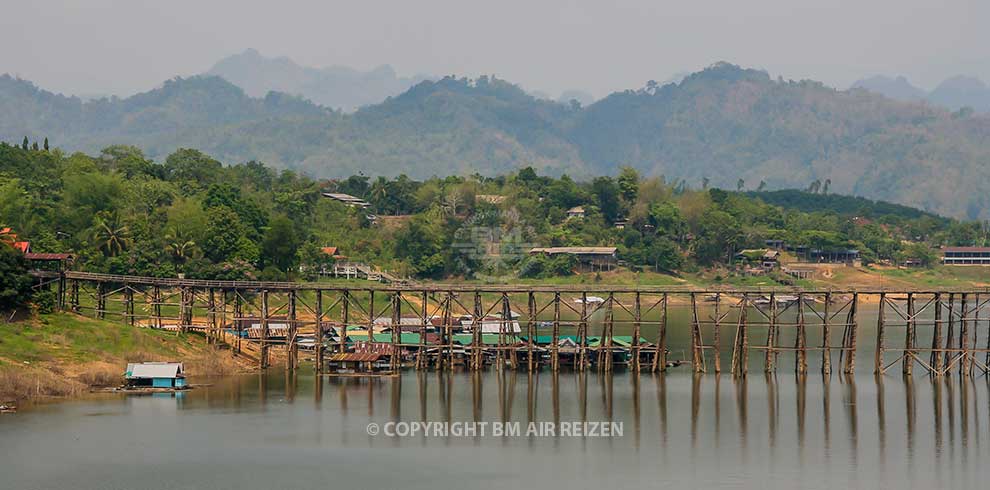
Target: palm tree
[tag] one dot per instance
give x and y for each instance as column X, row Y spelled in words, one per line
column 179, row 246
column 113, row 237
column 379, row 194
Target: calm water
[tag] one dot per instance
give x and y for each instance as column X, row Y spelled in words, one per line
column 280, row 431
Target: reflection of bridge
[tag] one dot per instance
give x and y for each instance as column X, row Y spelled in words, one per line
column 578, row 327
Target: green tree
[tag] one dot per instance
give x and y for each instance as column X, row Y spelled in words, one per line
column 111, row 234
column 280, row 245
column 628, row 183
column 607, row 194
column 224, row 232
column 718, row 236
column 15, row 283
column 192, row 169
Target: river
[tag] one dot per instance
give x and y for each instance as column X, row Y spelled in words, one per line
column 277, row 430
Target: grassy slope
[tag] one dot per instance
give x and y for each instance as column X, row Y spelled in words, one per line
column 64, row 354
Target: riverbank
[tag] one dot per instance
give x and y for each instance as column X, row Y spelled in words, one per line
column 63, row 354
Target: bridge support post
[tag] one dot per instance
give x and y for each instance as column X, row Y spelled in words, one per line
column 849, row 336
column 530, row 330
column 801, row 341
column 128, row 305
column 345, row 318
column 637, row 329
column 697, row 354
column 394, row 359
column 318, row 348
column 770, row 360
column 75, row 296
column 660, row 356
column 881, row 326
column 740, row 346
column 291, row 344
column 907, row 364
column 717, row 335
column 421, row 356
column 826, row 336
column 555, row 336
column 583, row 333
column 263, row 357
column 606, row 342
column 212, row 335
column 101, row 301
column 964, row 354
column 477, row 357
column 935, row 359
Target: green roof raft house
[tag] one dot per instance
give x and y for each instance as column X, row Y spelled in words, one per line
column 163, row 375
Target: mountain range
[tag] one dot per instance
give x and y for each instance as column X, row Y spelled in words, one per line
column 720, row 125
column 339, row 87
column 954, row 93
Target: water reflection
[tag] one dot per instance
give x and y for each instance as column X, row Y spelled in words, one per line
column 908, row 431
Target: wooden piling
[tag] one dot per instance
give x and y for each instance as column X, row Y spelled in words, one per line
column 801, row 341
column 907, row 364
column 697, row 354
column 530, row 331
column 769, row 362
column 292, row 345
column 637, row 319
column 827, row 336
column 263, row 357
column 849, row 346
column 881, row 325
column 318, row 347
column 555, row 347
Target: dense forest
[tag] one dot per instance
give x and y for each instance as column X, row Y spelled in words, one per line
column 124, row 213
column 723, row 125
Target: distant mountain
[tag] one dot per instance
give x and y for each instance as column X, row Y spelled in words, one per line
column 722, row 124
column 584, row 98
column 896, row 88
column 961, row 91
column 337, row 87
column 953, row 94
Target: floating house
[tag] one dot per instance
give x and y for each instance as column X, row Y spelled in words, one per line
column 357, row 363
column 155, row 375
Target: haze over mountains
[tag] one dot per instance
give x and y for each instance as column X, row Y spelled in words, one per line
column 722, row 124
column 954, row 93
column 338, row 87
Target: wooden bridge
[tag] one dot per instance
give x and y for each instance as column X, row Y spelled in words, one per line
column 532, row 327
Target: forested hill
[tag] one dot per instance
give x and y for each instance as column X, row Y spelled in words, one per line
column 724, row 125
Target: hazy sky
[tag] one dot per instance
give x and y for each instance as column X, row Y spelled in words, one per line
column 124, row 46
